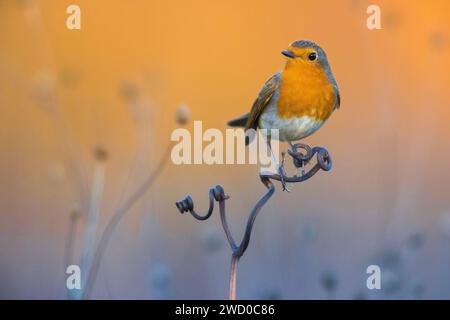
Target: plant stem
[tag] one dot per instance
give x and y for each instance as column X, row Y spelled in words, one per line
column 187, row 205
column 115, row 219
column 233, row 277
column 68, row 256
column 92, row 218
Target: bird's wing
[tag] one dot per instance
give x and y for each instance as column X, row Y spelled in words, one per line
column 262, row 101
column 338, row 98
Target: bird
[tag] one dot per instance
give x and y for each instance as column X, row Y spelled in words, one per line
column 297, row 100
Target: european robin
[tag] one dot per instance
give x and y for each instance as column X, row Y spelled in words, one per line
column 297, row 100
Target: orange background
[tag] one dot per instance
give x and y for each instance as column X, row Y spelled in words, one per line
column 389, row 142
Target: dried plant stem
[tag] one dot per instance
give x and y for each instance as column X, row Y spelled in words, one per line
column 92, row 217
column 69, row 247
column 69, row 241
column 218, row 194
column 233, row 277
column 115, row 219
column 238, row 252
column 40, row 35
column 138, row 161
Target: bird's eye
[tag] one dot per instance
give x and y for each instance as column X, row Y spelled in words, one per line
column 312, row 56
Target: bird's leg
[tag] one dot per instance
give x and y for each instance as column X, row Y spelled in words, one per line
column 281, row 170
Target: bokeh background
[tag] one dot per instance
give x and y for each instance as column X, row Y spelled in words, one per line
column 87, row 115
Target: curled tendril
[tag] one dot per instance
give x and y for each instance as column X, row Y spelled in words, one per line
column 300, row 159
column 301, row 155
column 187, row 204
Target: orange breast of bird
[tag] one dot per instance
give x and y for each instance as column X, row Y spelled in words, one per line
column 305, row 90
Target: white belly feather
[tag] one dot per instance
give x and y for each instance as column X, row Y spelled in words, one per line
column 289, row 129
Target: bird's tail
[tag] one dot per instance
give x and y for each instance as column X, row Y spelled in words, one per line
column 239, row 122
column 242, row 122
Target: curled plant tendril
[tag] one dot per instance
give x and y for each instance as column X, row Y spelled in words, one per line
column 300, row 160
column 187, row 204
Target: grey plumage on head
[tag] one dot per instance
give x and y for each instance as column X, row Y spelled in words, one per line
column 304, row 44
column 309, row 44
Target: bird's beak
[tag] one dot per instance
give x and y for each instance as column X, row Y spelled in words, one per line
column 288, row 54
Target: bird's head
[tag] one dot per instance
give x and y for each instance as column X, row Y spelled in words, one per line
column 305, row 54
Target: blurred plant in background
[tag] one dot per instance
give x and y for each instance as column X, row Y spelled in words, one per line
column 43, row 90
column 67, row 98
column 161, row 277
column 121, row 210
column 329, row 282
